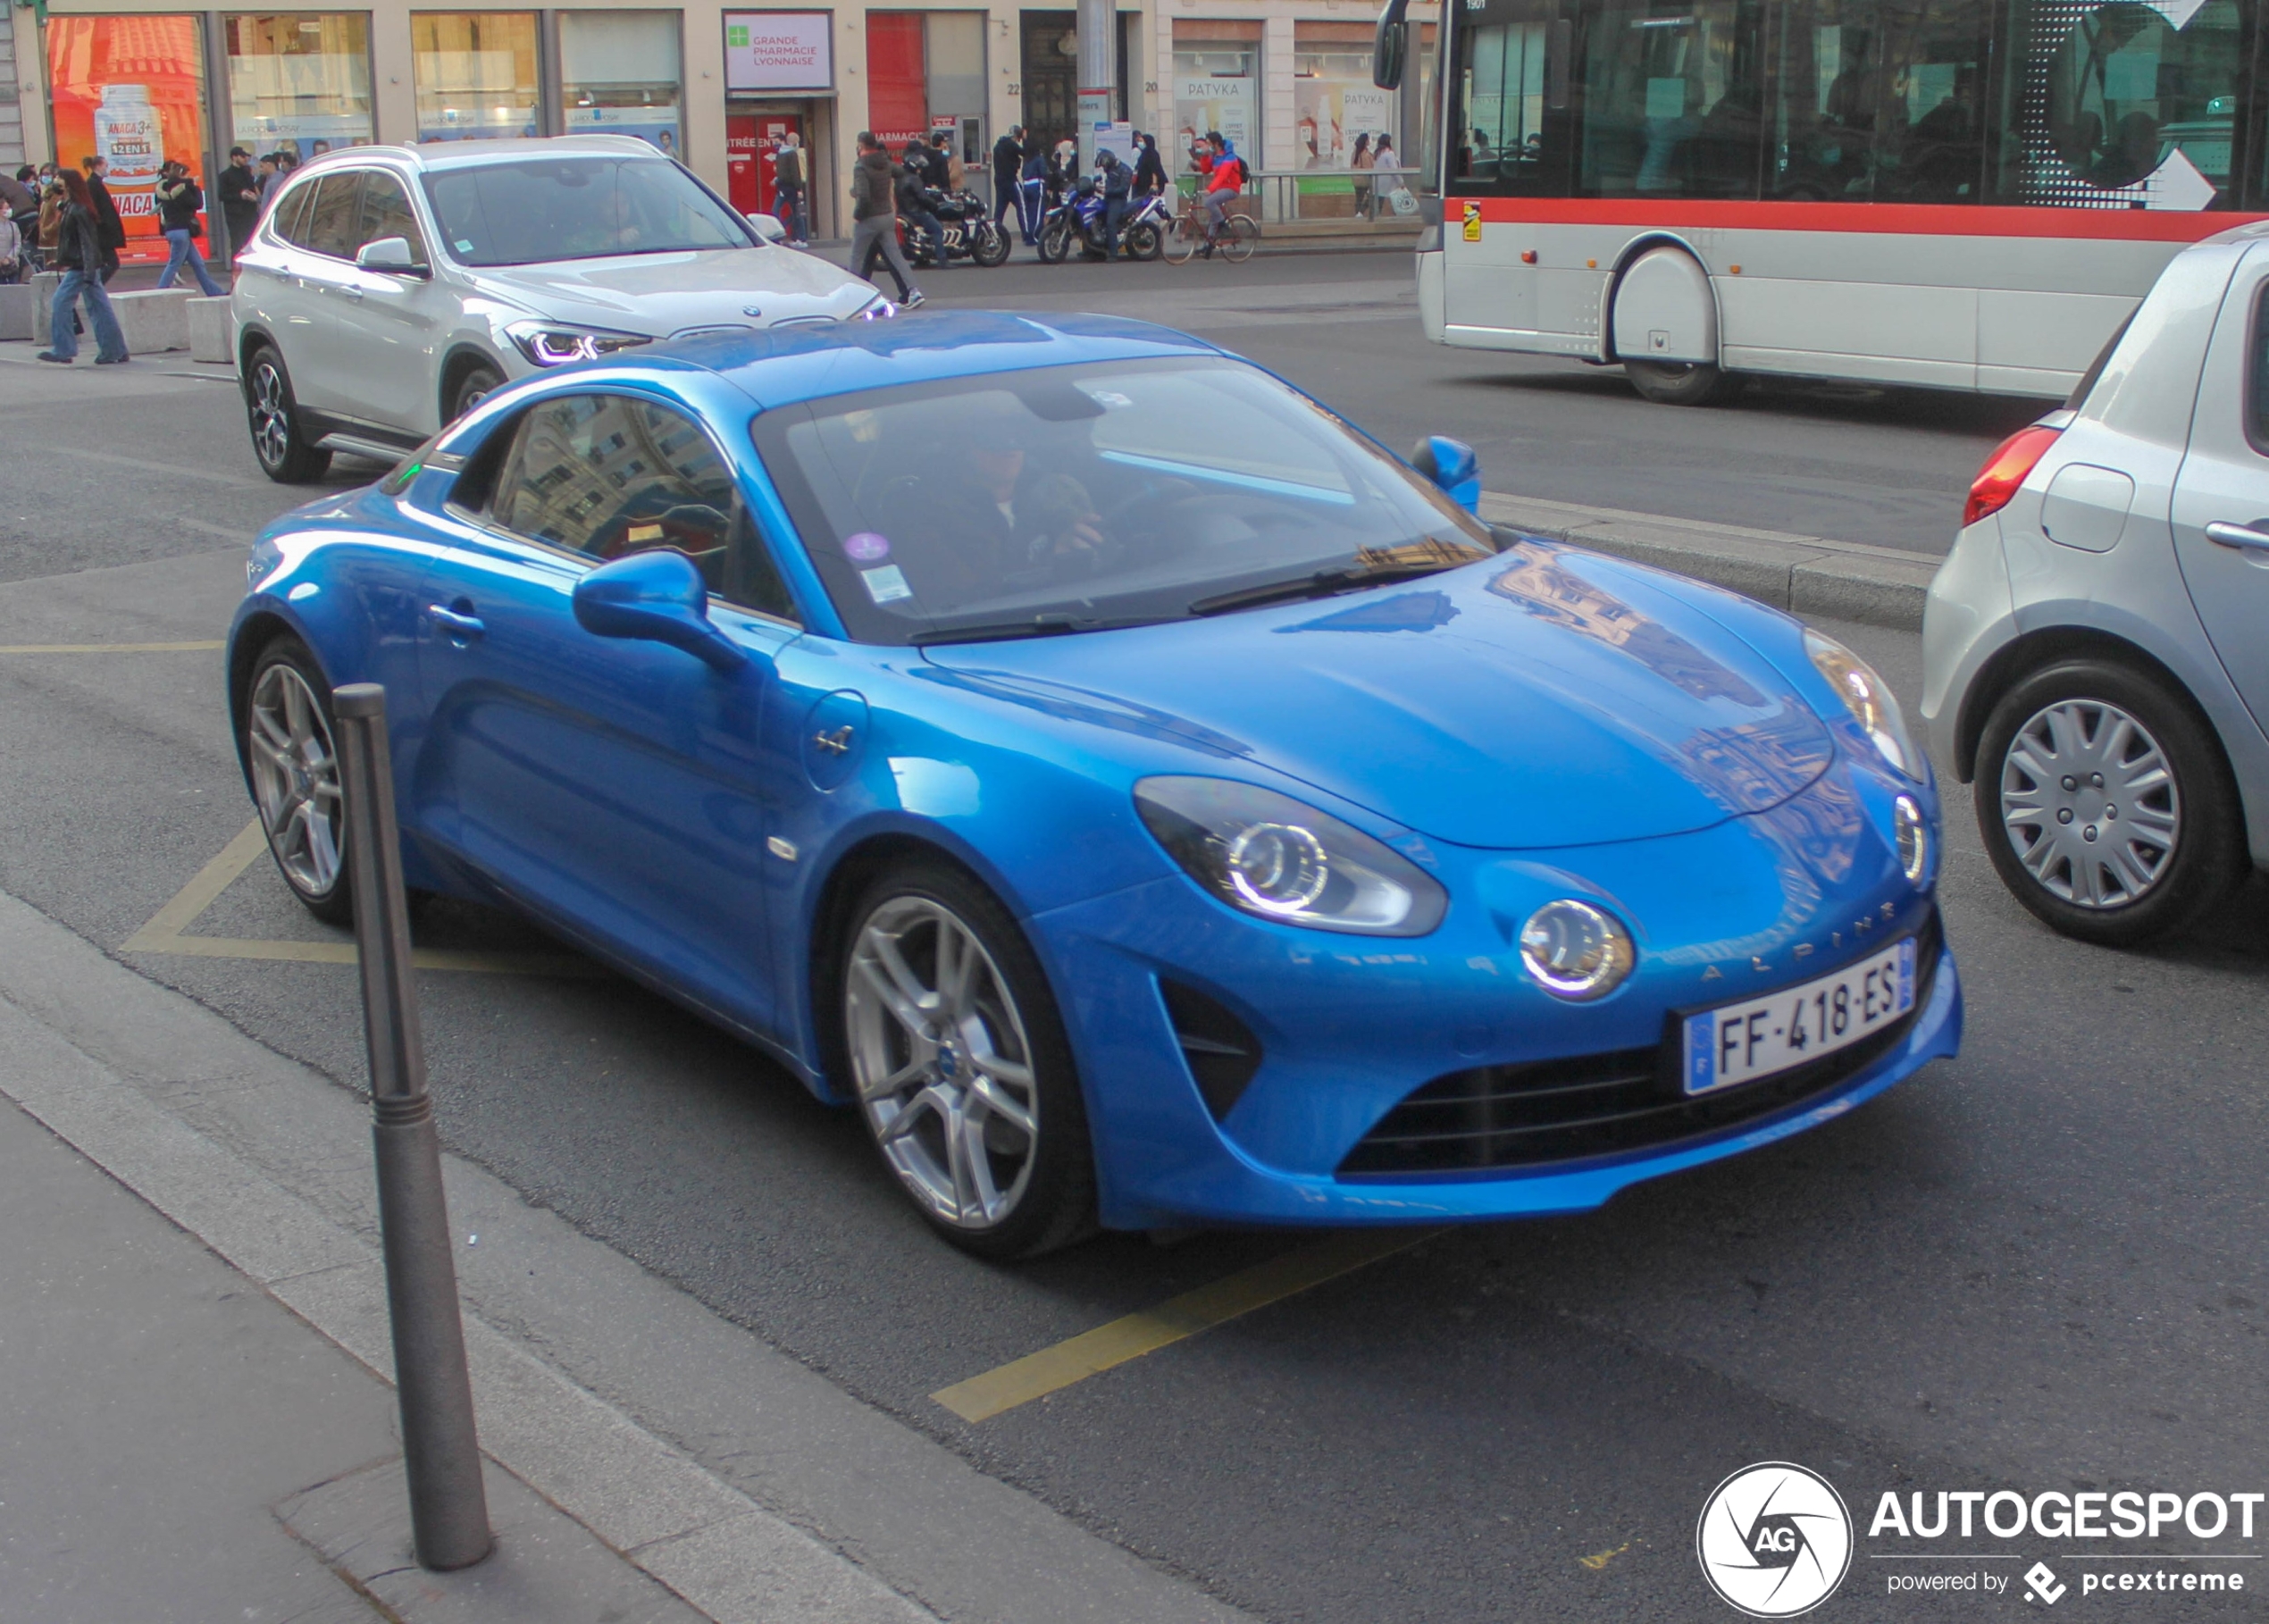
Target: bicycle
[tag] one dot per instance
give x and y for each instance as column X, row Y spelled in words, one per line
column 1240, row 234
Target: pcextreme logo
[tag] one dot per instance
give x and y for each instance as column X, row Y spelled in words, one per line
column 1775, row 1540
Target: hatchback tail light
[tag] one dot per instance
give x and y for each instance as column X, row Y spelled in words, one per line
column 2012, row 460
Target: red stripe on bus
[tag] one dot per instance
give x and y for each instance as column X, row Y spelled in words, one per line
column 1900, row 219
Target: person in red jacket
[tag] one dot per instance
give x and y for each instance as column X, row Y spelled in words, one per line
column 1224, row 179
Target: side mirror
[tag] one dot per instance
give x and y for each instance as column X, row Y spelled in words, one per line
column 768, row 227
column 1452, row 465
column 659, row 597
column 387, row 254
column 1388, row 45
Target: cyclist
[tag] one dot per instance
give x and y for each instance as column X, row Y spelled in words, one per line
column 1224, row 179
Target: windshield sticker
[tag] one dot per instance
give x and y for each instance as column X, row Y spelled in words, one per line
column 887, row 584
column 464, row 246
column 864, row 546
column 1110, row 399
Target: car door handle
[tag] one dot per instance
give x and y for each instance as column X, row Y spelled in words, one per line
column 2237, row 535
column 453, row 622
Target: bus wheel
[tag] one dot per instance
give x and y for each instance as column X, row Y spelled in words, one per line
column 1677, row 382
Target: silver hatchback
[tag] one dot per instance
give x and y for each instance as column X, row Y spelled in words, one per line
column 390, row 288
column 2095, row 647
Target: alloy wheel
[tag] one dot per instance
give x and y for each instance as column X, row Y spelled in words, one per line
column 941, row 1062
column 295, row 778
column 2089, row 804
column 271, row 415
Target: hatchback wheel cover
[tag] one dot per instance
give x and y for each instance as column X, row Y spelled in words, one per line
column 294, row 777
column 942, row 1063
column 271, row 415
column 2089, row 804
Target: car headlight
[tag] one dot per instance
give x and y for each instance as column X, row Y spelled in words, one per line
column 876, row 309
column 1911, row 837
column 1575, row 950
column 1279, row 858
column 554, row 343
column 1869, row 697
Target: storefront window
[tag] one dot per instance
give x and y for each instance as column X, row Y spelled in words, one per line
column 130, row 89
column 619, row 74
column 1217, row 86
column 1337, row 113
column 476, row 74
column 299, row 80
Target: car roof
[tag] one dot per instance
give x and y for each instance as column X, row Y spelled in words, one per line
column 782, row 365
column 434, row 157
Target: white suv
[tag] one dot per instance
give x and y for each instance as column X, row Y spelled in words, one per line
column 390, row 288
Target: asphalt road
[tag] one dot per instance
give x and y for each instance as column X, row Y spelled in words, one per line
column 2039, row 1266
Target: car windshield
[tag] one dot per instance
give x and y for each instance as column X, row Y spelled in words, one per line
column 532, row 212
column 1063, row 497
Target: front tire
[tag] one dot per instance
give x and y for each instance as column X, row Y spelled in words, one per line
column 2106, row 804
column 990, row 249
column 1055, row 242
column 961, row 1066
column 271, row 411
column 475, row 385
column 1687, row 383
column 293, row 763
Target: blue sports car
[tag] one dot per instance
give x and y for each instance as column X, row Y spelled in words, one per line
column 1147, row 799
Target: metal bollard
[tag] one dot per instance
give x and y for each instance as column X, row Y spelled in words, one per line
column 441, row 1451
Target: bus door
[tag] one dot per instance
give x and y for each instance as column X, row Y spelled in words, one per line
column 1504, row 138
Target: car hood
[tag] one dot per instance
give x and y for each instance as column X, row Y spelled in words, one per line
column 666, row 293
column 1544, row 698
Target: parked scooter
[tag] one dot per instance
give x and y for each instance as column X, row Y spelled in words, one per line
column 970, row 233
column 1078, row 221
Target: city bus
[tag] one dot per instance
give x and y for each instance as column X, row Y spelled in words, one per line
column 1960, row 194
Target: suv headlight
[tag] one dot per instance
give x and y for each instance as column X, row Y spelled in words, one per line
column 1869, row 697
column 554, row 343
column 876, row 309
column 1275, row 857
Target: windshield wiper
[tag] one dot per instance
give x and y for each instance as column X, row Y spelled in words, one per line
column 1323, row 583
column 1039, row 625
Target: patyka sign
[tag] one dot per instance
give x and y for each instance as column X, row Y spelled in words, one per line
column 779, row 51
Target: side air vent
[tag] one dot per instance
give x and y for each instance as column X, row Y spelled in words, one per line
column 1219, row 1049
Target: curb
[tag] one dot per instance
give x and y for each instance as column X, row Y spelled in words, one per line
column 1880, row 586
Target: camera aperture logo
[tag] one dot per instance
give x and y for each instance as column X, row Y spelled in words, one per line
column 1775, row 1540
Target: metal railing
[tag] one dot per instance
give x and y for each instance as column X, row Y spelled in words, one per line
column 1277, row 197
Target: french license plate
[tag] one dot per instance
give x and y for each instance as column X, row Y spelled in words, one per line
column 1741, row 1042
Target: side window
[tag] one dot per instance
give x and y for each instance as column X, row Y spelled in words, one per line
column 330, row 229
column 606, row 475
column 387, row 212
column 291, row 215
column 1511, row 71
column 2256, row 373
column 1881, row 101
column 1672, row 95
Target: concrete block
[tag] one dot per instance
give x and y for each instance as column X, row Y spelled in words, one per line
column 16, row 300
column 43, row 304
column 154, row 320
column 212, row 329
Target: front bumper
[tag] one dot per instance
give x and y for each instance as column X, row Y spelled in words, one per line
column 1350, row 1026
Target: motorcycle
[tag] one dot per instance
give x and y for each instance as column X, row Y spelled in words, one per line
column 970, row 233
column 1079, row 219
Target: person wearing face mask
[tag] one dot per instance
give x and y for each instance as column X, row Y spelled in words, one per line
column 178, row 199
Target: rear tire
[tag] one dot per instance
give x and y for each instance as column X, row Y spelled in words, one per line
column 1142, row 242
column 1677, row 382
column 1241, row 238
column 271, row 411
column 2169, row 842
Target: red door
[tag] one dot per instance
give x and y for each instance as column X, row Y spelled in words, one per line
column 751, row 144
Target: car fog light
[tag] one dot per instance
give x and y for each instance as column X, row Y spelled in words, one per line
column 1279, row 866
column 1912, row 836
column 1575, row 949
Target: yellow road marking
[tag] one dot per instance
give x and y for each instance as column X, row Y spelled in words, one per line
column 167, row 931
column 1107, row 1346
column 197, row 648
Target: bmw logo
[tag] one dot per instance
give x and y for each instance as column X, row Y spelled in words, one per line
column 751, row 310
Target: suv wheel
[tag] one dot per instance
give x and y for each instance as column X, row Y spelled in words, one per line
column 2106, row 803
column 273, row 413
column 477, row 383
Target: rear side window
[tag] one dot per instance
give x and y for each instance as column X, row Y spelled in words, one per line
column 606, row 475
column 329, row 228
column 2079, row 396
column 291, row 214
column 2257, row 406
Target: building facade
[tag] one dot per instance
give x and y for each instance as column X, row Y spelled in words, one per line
column 712, row 84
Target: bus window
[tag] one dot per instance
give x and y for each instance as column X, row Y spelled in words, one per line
column 1879, row 101
column 1498, row 140
column 1673, row 93
column 2127, row 90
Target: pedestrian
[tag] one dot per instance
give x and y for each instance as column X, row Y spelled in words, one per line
column 1032, row 195
column 16, row 196
column 957, row 173
column 106, row 211
column 913, row 179
column 11, row 249
column 789, row 181
column 79, row 255
column 1063, row 171
column 1007, row 174
column 1118, row 181
column 1150, row 168
column 1360, row 160
column 270, row 179
column 1382, row 158
column 179, row 198
column 874, row 191
column 239, row 190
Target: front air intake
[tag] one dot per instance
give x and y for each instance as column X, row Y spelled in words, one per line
column 1219, row 1050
